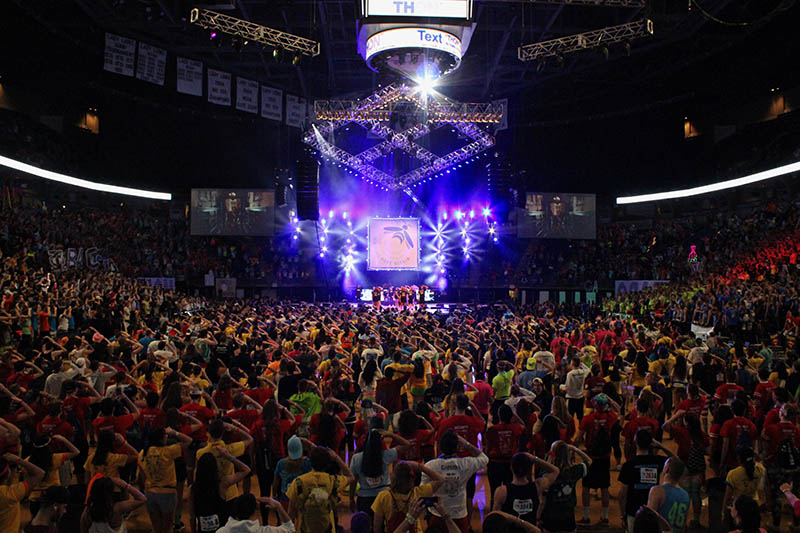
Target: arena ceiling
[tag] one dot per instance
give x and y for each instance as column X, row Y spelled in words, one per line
column 491, row 68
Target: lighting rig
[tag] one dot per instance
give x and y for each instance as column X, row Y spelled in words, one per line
column 583, row 41
column 250, row 31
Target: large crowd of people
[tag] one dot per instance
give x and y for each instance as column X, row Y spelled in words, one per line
column 124, row 404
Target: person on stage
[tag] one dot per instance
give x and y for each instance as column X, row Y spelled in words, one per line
column 421, row 296
column 358, row 293
column 376, row 297
column 402, row 298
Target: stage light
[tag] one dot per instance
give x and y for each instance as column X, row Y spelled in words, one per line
column 344, row 215
column 213, row 35
column 495, row 239
column 291, row 214
column 324, row 221
column 459, row 213
column 323, row 238
column 487, row 212
column 294, row 219
column 444, row 215
column 330, row 213
column 297, row 229
column 294, row 237
column 471, row 213
column 491, row 230
column 349, row 224
column 321, row 255
column 441, row 271
column 348, row 241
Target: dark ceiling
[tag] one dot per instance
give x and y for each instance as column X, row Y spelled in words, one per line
column 490, row 69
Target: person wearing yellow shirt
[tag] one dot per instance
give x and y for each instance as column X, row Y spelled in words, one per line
column 157, row 466
column 319, row 486
column 11, row 494
column 104, row 461
column 524, row 355
column 401, row 495
column 42, row 456
column 216, row 429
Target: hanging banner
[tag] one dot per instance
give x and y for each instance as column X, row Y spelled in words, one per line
column 165, row 283
column 120, row 54
column 152, row 64
column 61, row 259
column 190, row 76
column 246, row 95
column 635, row 285
column 219, row 87
column 295, row 111
column 271, row 103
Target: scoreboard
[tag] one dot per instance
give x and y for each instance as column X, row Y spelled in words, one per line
column 454, row 9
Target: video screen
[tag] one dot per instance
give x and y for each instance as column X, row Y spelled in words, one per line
column 558, row 216
column 393, row 244
column 241, row 212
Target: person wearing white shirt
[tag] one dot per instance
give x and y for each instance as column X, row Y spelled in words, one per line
column 573, row 387
column 245, row 506
column 457, row 472
column 544, row 356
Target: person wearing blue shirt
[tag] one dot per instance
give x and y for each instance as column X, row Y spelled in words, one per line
column 669, row 499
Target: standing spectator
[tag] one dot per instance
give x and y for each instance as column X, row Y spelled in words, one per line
column 671, row 501
column 521, row 496
column 562, row 493
column 596, row 427
column 573, row 387
column 11, row 494
column 458, row 473
column 638, row 475
column 501, row 443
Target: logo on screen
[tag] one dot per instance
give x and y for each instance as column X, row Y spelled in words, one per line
column 393, row 244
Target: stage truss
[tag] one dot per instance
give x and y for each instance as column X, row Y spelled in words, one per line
column 250, row 31
column 374, row 113
column 584, row 41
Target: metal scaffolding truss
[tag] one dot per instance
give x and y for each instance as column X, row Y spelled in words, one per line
column 251, row 31
column 370, row 113
column 354, row 110
column 587, row 40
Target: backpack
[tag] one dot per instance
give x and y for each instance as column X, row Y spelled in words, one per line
column 398, row 515
column 316, row 505
column 696, row 461
column 788, row 456
column 601, row 443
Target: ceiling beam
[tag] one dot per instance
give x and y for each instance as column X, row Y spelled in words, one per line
column 326, row 36
column 497, row 56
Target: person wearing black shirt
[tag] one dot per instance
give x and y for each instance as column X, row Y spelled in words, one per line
column 639, row 475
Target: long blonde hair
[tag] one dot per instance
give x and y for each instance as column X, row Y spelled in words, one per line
column 559, row 409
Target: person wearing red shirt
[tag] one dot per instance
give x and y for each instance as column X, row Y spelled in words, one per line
column 780, row 398
column 408, row 427
column 388, row 390
column 330, row 436
column 726, row 393
column 593, row 385
column 245, row 410
column 483, row 397
column 115, row 424
column 501, row 442
column 152, row 416
column 203, row 414
column 695, row 404
column 53, row 424
column 763, row 394
column 464, row 425
column 733, row 431
column 270, row 433
column 693, row 446
column 257, row 392
column 637, row 422
column 596, row 428
column 774, row 436
column 368, row 412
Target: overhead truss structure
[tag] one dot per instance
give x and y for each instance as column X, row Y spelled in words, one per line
column 339, row 110
column 584, row 41
column 375, row 111
column 251, row 31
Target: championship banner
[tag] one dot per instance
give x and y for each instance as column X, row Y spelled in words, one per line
column 635, row 285
column 190, row 76
column 393, row 244
column 152, row 64
column 271, row 103
column 219, row 87
column 295, row 111
column 119, row 55
column 246, row 95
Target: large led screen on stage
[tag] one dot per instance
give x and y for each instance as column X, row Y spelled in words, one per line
column 246, row 212
column 558, row 216
column 393, row 244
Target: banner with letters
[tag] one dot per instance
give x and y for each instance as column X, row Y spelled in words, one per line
column 152, row 64
column 164, row 283
column 219, row 87
column 635, row 285
column 271, row 103
column 295, row 111
column 246, row 95
column 190, row 76
column 119, row 55
column 61, row 259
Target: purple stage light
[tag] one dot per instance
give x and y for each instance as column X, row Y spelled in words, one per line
column 495, row 239
column 294, row 237
column 444, row 215
column 344, row 215
column 213, row 35
column 487, row 212
column 459, row 213
column 471, row 213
